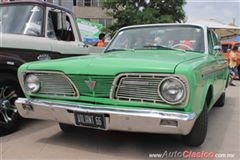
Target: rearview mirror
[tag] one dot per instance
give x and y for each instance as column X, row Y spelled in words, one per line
column 61, row 21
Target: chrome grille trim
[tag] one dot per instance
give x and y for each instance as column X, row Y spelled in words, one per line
column 53, row 84
column 145, row 88
column 102, row 86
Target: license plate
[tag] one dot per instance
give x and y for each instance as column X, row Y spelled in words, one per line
column 90, row 120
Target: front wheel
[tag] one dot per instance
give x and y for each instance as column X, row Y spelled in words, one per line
column 9, row 92
column 221, row 101
column 238, row 72
column 199, row 131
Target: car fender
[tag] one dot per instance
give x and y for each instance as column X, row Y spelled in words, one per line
column 9, row 61
column 8, row 69
column 197, row 106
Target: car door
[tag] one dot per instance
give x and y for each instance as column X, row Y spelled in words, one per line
column 220, row 66
column 65, row 40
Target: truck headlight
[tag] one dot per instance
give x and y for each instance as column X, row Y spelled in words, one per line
column 172, row 90
column 32, row 83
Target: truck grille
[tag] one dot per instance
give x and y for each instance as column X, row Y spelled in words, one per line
column 138, row 87
column 56, row 84
column 101, row 87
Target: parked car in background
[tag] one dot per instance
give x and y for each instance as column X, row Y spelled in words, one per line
column 31, row 31
column 227, row 47
column 161, row 78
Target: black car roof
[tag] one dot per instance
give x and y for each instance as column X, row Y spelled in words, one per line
column 43, row 3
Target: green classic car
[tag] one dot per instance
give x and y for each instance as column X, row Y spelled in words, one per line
column 159, row 78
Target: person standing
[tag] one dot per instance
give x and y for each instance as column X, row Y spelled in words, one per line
column 101, row 42
column 233, row 65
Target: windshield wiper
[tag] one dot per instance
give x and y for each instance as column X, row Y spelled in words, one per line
column 158, row 46
column 162, row 47
column 119, row 49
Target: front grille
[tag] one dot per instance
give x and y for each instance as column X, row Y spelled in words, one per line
column 56, row 84
column 101, row 89
column 138, row 88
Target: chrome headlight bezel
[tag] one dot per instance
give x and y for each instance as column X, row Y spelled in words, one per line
column 41, row 92
column 184, row 92
column 32, row 83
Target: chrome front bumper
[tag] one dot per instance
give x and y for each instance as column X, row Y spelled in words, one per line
column 117, row 118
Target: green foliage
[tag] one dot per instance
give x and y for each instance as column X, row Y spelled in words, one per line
column 132, row 12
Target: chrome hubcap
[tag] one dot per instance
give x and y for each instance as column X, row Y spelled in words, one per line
column 7, row 107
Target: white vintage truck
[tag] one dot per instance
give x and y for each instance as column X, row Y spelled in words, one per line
column 31, row 31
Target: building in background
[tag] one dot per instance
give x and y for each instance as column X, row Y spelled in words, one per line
column 3, row 1
column 90, row 10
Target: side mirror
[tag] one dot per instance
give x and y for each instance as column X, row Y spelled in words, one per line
column 61, row 21
column 218, row 50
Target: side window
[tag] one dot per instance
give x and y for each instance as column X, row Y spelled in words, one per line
column 51, row 32
column 68, row 35
column 215, row 39
column 210, row 42
column 33, row 25
column 54, row 32
column 226, row 47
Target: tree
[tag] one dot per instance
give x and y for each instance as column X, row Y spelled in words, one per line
column 132, row 12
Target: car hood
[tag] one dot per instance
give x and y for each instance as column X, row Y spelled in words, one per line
column 112, row 63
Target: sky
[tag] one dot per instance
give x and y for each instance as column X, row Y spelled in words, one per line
column 221, row 10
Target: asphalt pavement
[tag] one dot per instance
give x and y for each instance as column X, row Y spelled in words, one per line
column 43, row 140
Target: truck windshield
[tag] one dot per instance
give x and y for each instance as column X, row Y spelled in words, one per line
column 21, row 19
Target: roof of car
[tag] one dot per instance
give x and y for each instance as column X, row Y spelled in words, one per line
column 43, row 3
column 164, row 24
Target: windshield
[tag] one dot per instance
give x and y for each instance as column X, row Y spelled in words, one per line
column 21, row 19
column 160, row 37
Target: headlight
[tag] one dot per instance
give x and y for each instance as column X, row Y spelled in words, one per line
column 32, row 83
column 172, row 90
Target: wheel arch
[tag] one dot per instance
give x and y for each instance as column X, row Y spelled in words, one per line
column 9, row 70
column 206, row 97
column 209, row 95
column 10, row 78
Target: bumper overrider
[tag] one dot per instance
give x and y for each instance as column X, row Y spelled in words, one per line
column 116, row 118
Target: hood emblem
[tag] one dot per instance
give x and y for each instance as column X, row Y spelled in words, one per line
column 90, row 84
